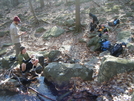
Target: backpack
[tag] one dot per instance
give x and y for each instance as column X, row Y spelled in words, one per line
column 116, row 21
column 105, row 45
column 116, row 50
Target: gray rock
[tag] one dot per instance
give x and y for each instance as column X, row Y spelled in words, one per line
column 102, row 54
column 130, row 47
column 53, row 55
column 40, row 30
column 53, row 32
column 112, row 66
column 82, row 40
column 7, row 44
column 123, row 36
column 69, row 22
column 2, row 34
column 2, row 52
column 5, row 63
column 60, row 73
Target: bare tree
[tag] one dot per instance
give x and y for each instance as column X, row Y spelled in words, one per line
column 77, row 16
column 42, row 3
column 32, row 10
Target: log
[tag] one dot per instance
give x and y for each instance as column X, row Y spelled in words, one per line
column 40, row 94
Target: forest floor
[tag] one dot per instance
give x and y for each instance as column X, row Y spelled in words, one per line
column 119, row 88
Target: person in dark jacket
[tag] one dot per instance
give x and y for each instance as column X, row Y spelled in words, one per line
column 95, row 19
column 94, row 22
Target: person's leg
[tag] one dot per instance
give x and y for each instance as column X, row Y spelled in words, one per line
column 23, row 67
column 17, row 48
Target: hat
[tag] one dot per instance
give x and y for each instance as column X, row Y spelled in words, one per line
column 21, row 48
column 16, row 18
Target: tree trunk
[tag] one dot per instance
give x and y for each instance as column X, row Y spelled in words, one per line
column 42, row 3
column 32, row 10
column 77, row 15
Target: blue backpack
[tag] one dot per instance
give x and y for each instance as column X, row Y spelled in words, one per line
column 116, row 21
column 105, row 45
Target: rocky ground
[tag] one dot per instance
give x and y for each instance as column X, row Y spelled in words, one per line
column 121, row 87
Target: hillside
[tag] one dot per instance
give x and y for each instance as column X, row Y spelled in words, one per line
column 62, row 15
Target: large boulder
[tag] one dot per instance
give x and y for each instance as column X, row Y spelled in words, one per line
column 53, row 32
column 112, row 66
column 6, row 63
column 53, row 55
column 60, row 73
column 123, row 36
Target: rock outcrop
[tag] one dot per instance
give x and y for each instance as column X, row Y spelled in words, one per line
column 61, row 73
column 111, row 66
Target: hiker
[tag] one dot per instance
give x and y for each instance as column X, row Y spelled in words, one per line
column 92, row 27
column 94, row 18
column 26, row 62
column 118, row 49
column 114, row 23
column 94, row 22
column 15, row 34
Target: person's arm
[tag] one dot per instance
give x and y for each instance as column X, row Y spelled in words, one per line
column 15, row 32
column 26, row 61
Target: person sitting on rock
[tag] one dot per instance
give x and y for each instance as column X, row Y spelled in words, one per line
column 26, row 62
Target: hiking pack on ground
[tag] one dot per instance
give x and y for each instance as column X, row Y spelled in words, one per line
column 116, row 50
column 105, row 45
column 114, row 23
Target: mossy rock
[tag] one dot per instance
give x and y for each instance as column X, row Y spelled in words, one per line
column 40, row 30
column 53, row 32
column 2, row 52
column 123, row 36
column 111, row 66
column 2, row 34
column 53, row 54
column 129, row 14
column 7, row 44
column 45, row 53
